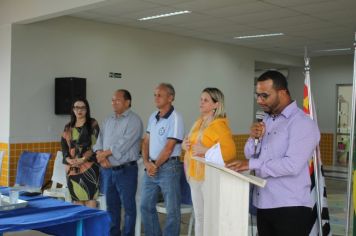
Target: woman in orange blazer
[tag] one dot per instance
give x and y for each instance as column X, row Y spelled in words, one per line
column 210, row 128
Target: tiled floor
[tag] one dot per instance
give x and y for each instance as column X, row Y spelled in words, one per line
column 336, row 190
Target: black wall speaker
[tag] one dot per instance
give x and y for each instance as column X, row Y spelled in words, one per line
column 66, row 90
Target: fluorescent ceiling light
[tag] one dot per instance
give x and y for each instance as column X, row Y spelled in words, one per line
column 334, row 50
column 165, row 15
column 258, row 36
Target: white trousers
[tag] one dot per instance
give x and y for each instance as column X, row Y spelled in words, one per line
column 197, row 191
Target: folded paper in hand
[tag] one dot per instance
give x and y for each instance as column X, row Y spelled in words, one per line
column 214, row 155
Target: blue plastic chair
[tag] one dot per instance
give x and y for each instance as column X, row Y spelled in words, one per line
column 31, row 169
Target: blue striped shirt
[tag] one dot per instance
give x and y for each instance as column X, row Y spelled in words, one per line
column 122, row 135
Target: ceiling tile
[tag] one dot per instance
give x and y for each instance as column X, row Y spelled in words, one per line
column 204, row 5
column 328, row 6
column 184, row 19
column 291, row 3
column 273, row 14
column 150, row 12
column 229, row 30
column 208, row 23
column 338, row 16
column 116, row 20
column 169, row 2
column 281, row 24
column 313, row 23
column 240, row 9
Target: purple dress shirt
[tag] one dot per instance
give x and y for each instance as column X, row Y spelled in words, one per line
column 282, row 158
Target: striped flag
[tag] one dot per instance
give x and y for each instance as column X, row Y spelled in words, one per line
column 309, row 108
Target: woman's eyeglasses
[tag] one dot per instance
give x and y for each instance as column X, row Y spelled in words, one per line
column 77, row 108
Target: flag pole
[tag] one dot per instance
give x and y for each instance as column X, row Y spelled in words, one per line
column 315, row 158
column 351, row 155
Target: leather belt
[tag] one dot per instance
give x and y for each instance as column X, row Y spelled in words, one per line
column 175, row 158
column 131, row 163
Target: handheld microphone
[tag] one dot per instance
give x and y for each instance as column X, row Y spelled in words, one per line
column 259, row 118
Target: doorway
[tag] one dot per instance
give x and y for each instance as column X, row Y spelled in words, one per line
column 344, row 99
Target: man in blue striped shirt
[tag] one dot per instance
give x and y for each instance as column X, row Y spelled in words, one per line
column 117, row 150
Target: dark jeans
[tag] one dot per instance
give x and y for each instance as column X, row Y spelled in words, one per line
column 120, row 189
column 291, row 221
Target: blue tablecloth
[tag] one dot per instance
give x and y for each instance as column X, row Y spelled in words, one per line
column 54, row 217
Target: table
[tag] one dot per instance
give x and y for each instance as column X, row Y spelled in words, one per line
column 54, row 217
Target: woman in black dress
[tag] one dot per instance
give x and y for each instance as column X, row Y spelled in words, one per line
column 79, row 136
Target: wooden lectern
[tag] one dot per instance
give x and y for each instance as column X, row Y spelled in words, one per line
column 226, row 200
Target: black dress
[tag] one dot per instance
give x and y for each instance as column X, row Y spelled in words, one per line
column 83, row 181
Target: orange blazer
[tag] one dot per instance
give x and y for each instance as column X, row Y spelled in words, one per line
column 218, row 131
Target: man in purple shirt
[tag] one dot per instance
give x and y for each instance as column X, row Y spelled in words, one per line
column 279, row 150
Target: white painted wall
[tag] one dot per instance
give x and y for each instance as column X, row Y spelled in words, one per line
column 5, row 68
column 326, row 72
column 74, row 47
column 329, row 71
column 296, row 84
